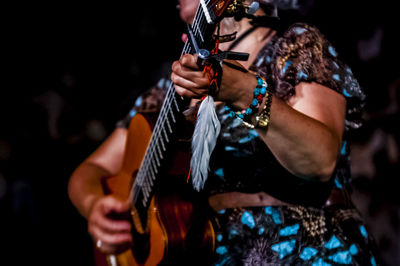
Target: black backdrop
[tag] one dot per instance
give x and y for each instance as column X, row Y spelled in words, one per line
column 73, row 68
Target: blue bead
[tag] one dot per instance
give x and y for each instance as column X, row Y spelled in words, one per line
column 332, row 51
column 254, row 102
column 256, row 91
column 263, row 90
column 249, row 111
column 336, row 77
column 241, row 116
column 363, row 231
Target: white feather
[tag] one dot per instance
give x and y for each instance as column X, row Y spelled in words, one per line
column 204, row 139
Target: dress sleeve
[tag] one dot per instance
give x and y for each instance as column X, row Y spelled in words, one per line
column 149, row 101
column 304, row 55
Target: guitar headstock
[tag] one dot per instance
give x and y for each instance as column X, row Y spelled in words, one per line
column 219, row 7
column 233, row 8
column 214, row 9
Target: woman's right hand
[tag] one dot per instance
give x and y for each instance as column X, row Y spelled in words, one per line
column 109, row 224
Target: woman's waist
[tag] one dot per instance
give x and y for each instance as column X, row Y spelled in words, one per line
column 240, row 199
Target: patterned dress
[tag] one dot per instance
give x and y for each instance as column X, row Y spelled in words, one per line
column 306, row 231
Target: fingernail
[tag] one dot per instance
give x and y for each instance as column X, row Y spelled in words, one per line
column 184, row 37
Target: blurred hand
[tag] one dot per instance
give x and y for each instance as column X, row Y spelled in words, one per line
column 109, row 223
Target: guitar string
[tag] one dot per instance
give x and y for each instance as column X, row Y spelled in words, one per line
column 145, row 183
column 141, row 182
column 148, row 182
column 157, row 134
column 167, row 110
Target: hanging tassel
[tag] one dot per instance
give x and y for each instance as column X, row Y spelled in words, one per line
column 204, row 139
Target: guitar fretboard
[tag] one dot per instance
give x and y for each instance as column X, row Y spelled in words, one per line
column 166, row 125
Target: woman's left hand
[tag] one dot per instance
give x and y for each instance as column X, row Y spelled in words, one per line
column 191, row 81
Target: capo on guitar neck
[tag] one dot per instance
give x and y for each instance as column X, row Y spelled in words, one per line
column 207, row 57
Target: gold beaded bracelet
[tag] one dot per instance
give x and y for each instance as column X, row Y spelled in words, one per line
column 262, row 119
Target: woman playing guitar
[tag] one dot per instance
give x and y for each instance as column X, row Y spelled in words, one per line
column 277, row 177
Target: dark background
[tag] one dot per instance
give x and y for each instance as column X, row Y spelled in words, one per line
column 72, row 69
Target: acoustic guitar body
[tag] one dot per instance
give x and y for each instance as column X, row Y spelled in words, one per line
column 177, row 229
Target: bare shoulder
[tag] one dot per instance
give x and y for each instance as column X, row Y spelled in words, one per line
column 321, row 103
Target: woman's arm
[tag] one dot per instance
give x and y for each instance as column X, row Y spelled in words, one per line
column 86, row 193
column 304, row 133
column 85, row 182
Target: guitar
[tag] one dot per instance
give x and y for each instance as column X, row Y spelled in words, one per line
column 169, row 219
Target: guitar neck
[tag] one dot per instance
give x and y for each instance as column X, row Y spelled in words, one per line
column 165, row 129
